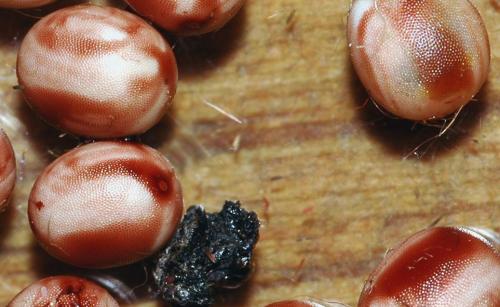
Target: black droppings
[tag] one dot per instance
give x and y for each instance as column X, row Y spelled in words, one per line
column 208, row 251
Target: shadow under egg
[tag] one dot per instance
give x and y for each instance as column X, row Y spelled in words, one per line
column 197, row 56
column 14, row 25
column 162, row 133
column 47, row 141
column 6, row 221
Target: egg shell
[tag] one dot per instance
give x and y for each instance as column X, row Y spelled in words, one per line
column 419, row 59
column 97, row 71
column 105, row 204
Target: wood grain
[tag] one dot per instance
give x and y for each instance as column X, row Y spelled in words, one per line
column 335, row 182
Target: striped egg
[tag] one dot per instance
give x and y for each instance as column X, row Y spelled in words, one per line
column 7, row 170
column 97, row 71
column 63, row 291
column 188, row 17
column 441, row 266
column 419, row 59
column 105, row 204
column 23, row 4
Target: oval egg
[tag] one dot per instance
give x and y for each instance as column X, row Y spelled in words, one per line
column 105, row 204
column 419, row 59
column 97, row 71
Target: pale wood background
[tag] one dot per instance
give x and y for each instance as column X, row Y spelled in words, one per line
column 327, row 173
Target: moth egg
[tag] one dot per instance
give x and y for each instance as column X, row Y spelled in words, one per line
column 188, row 17
column 23, row 4
column 97, row 71
column 7, row 170
column 63, row 291
column 442, row 266
column 419, row 59
column 105, row 204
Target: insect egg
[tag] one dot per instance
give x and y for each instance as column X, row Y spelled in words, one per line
column 188, row 17
column 419, row 59
column 63, row 291
column 97, row 71
column 7, row 170
column 23, row 4
column 105, row 204
column 442, row 266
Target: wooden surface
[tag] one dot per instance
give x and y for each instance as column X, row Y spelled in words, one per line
column 334, row 181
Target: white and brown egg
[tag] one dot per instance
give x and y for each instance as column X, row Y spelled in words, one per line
column 106, row 204
column 419, row 60
column 97, row 71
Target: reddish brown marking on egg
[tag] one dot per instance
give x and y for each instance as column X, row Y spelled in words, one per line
column 419, row 59
column 125, row 241
column 106, row 204
column 188, row 17
column 23, row 4
column 7, row 170
column 63, row 291
column 97, row 71
column 441, row 266
column 444, row 67
column 39, row 205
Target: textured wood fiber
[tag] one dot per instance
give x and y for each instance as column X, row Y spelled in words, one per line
column 334, row 181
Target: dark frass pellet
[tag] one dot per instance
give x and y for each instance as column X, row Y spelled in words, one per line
column 208, row 251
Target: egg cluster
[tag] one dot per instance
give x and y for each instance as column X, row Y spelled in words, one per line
column 106, row 74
